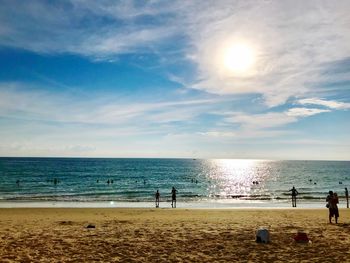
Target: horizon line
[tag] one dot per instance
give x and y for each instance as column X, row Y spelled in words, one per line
column 185, row 158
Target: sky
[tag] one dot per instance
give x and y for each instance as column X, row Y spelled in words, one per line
column 175, row 79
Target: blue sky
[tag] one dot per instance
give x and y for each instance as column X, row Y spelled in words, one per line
column 150, row 79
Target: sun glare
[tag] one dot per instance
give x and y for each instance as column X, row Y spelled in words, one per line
column 239, row 58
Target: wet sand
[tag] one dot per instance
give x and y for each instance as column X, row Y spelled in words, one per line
column 170, row 235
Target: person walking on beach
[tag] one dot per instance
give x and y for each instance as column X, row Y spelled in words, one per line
column 157, row 198
column 332, row 204
column 294, row 196
column 347, row 197
column 173, row 197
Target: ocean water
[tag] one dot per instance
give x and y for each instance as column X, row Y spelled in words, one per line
column 228, row 182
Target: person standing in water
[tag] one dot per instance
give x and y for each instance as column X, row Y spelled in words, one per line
column 157, row 198
column 294, row 196
column 347, row 197
column 173, row 197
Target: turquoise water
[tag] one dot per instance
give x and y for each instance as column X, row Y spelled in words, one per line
column 197, row 181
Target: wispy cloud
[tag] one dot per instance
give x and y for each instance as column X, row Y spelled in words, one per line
column 301, row 70
column 264, row 125
column 304, row 112
column 261, row 121
column 243, row 135
column 90, row 28
column 292, row 40
column 295, row 42
column 36, row 104
column 332, row 104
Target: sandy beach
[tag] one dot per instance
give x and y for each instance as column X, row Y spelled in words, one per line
column 170, row 235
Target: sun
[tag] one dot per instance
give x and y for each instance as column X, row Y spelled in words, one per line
column 239, row 58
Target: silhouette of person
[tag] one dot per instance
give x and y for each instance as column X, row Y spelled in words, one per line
column 332, row 204
column 328, row 198
column 294, row 196
column 335, row 207
column 157, row 198
column 17, row 182
column 347, row 197
column 173, row 197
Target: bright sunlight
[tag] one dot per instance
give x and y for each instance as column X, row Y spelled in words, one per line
column 238, row 58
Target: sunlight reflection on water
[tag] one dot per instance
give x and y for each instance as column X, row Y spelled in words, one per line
column 237, row 178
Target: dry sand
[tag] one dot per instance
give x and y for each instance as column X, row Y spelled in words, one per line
column 170, row 235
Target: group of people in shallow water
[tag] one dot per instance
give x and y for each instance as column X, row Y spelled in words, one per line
column 332, row 201
column 173, row 197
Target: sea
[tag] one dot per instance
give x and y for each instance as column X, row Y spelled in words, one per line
column 200, row 183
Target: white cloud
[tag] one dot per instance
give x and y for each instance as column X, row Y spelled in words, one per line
column 243, row 134
column 38, row 105
column 90, row 28
column 265, row 124
column 304, row 112
column 219, row 134
column 332, row 104
column 294, row 40
column 261, row 121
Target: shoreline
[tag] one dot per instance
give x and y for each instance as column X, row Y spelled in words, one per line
column 215, row 204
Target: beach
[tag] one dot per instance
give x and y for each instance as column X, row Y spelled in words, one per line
column 170, row 235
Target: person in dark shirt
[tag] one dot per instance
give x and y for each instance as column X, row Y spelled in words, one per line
column 157, row 198
column 294, row 196
column 173, row 197
column 347, row 197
